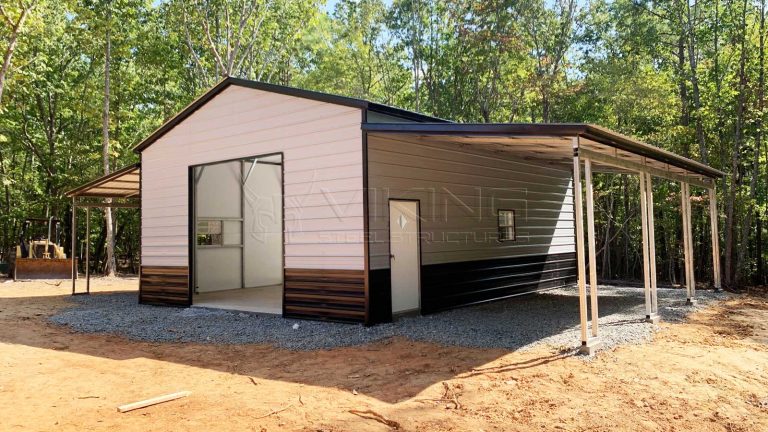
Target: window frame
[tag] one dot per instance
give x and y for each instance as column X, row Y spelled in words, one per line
column 219, row 236
column 501, row 228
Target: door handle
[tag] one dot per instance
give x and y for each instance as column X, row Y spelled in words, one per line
column 391, row 256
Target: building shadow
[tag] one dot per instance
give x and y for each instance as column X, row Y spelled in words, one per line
column 389, row 362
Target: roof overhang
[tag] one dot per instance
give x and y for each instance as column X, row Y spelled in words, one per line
column 553, row 143
column 123, row 183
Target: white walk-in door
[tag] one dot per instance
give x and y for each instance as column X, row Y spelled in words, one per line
column 404, row 255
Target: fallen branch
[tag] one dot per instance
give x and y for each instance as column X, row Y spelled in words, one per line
column 373, row 415
column 253, row 380
column 154, row 401
column 274, row 412
column 436, row 400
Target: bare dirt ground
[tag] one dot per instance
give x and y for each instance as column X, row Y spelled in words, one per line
column 709, row 374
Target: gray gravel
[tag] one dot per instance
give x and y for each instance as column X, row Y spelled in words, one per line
column 550, row 318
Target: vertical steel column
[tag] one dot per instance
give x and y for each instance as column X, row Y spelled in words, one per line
column 683, row 208
column 689, row 215
column 88, row 250
column 715, row 238
column 197, row 174
column 242, row 224
column 582, row 277
column 74, row 245
column 651, row 248
column 591, row 244
column 646, row 258
column 687, row 248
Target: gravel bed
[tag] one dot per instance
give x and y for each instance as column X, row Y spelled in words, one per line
column 550, row 318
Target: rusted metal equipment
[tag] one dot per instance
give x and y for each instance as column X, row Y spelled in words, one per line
column 37, row 268
column 39, row 254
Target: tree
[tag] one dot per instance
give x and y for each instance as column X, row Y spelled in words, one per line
column 14, row 20
column 244, row 38
column 110, row 264
column 96, row 76
column 551, row 35
column 355, row 58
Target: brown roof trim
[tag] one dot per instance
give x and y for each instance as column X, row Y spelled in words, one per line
column 570, row 129
column 404, row 114
column 274, row 88
column 593, row 132
column 102, row 180
column 621, row 141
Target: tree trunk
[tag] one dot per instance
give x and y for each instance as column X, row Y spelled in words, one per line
column 696, row 94
column 6, row 249
column 606, row 270
column 625, row 228
column 416, row 49
column 759, row 278
column 109, row 264
column 97, row 251
column 759, row 142
column 13, row 38
column 747, row 224
column 685, row 113
column 732, row 270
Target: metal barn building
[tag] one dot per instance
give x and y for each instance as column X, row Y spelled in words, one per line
column 272, row 199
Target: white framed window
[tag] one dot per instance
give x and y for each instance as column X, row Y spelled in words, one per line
column 506, row 224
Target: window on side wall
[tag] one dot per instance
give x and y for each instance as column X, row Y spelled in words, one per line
column 209, row 233
column 506, row 222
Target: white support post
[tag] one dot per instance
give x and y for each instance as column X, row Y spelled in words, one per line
column 588, row 346
column 646, row 243
column 591, row 245
column 683, row 210
column 580, row 262
column 74, row 245
column 88, row 250
column 715, row 239
column 652, row 314
column 687, row 246
column 689, row 215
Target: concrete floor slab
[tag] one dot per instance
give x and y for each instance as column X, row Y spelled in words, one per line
column 267, row 299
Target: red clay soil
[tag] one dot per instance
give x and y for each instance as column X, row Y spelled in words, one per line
column 709, row 374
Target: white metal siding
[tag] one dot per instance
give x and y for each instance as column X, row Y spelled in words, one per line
column 460, row 191
column 322, row 148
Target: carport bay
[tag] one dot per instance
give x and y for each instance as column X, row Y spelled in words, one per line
column 425, row 149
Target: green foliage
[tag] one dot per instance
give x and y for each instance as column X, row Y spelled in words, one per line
column 624, row 64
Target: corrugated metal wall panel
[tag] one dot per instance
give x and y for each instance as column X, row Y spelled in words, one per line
column 323, row 139
column 446, row 286
column 460, row 191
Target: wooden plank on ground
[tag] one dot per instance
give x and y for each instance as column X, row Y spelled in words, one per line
column 153, row 401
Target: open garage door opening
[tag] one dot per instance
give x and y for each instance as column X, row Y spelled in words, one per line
column 236, row 234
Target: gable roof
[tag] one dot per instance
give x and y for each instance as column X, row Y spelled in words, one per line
column 290, row 91
column 433, row 125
